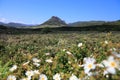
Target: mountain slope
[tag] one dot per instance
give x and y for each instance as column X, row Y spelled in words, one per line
column 54, row 21
column 13, row 24
column 86, row 23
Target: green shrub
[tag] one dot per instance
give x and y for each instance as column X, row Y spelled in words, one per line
column 45, row 30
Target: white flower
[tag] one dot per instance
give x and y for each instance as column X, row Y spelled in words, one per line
column 111, row 64
column 80, row 45
column 106, row 42
column 49, row 60
column 57, row 77
column 11, row 77
column 81, row 65
column 14, row 67
column 105, row 72
column 89, row 73
column 35, row 60
column 69, row 62
column 73, row 77
column 64, row 49
column 89, row 64
column 43, row 77
column 26, row 78
column 69, row 53
column 47, row 54
column 116, row 54
column 36, row 72
column 36, row 64
column 29, row 73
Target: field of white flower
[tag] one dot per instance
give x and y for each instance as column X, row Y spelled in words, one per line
column 61, row 56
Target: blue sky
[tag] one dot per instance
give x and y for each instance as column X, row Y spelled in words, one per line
column 38, row 11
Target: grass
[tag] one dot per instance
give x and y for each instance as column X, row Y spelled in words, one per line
column 20, row 48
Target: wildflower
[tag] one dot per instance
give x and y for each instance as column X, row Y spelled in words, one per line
column 80, row 65
column 73, row 77
column 64, row 49
column 43, row 77
column 116, row 54
column 36, row 64
column 89, row 64
column 111, row 64
column 11, row 77
column 47, row 54
column 35, row 60
column 29, row 73
column 49, row 60
column 26, row 78
column 57, row 77
column 89, row 73
column 106, row 42
column 14, row 67
column 36, row 72
column 69, row 53
column 69, row 62
column 80, row 45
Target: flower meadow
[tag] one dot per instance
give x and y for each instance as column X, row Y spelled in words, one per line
column 75, row 56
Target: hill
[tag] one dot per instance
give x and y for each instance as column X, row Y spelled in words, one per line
column 13, row 24
column 54, row 21
column 86, row 23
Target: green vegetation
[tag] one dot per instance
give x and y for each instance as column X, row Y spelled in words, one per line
column 55, row 50
column 62, row 48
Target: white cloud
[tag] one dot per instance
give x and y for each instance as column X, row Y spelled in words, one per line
column 3, row 20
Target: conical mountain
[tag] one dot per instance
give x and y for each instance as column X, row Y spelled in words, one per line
column 54, row 20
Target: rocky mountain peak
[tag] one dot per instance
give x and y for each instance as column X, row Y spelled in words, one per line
column 54, row 20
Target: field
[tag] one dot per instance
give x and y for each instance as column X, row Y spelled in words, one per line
column 73, row 55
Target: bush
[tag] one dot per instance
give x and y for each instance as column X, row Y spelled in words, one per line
column 46, row 30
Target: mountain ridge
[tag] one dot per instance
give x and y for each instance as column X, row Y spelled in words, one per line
column 13, row 24
column 55, row 21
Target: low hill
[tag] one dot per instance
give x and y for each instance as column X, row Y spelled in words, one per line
column 113, row 23
column 86, row 23
column 13, row 24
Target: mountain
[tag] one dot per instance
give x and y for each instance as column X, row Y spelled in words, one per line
column 1, row 23
column 113, row 23
column 54, row 21
column 86, row 23
column 13, row 24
